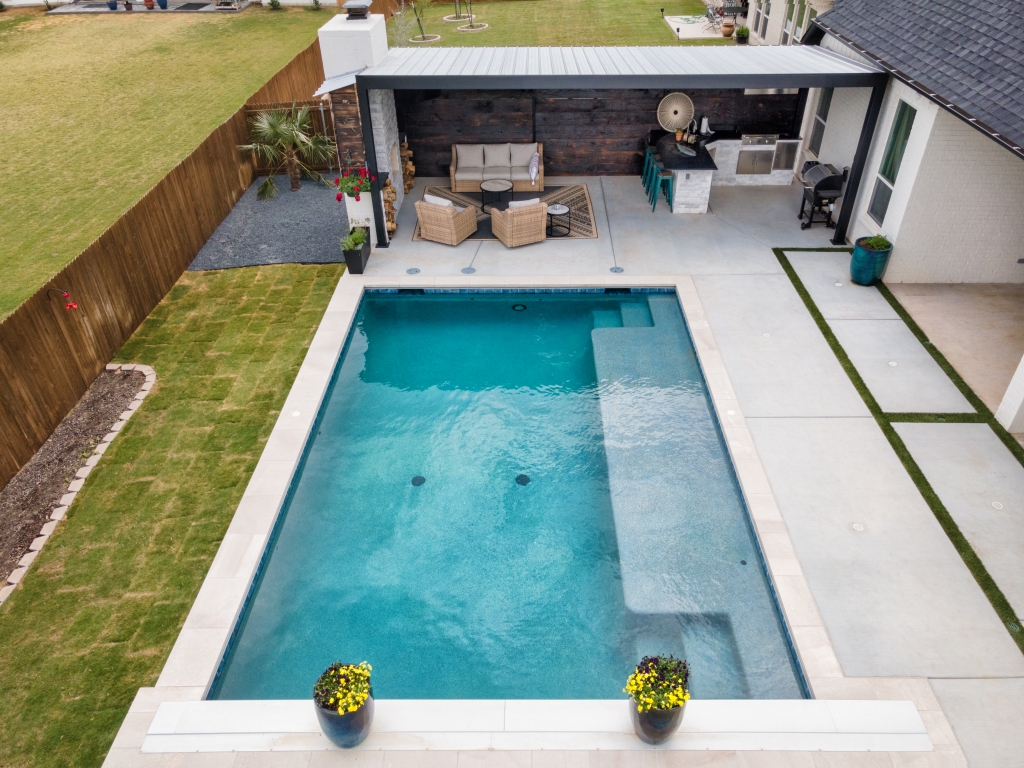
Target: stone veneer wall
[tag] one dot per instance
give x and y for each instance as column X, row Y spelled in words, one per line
column 963, row 220
column 386, row 139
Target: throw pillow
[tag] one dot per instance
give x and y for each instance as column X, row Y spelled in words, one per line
column 534, row 167
column 524, row 203
column 435, row 200
column 521, row 154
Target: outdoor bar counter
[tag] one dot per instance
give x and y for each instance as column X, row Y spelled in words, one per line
column 693, row 174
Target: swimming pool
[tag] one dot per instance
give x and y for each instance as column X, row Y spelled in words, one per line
column 513, row 495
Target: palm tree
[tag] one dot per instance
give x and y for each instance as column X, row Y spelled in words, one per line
column 286, row 139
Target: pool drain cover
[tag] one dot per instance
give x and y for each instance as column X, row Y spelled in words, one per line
column 412, row 271
column 419, row 480
column 468, row 270
column 616, row 270
column 518, row 307
column 743, row 562
column 523, row 479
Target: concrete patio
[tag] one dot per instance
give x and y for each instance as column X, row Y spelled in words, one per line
column 881, row 605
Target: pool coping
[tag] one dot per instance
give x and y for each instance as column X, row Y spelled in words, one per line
column 194, row 660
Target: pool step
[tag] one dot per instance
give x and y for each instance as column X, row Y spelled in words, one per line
column 630, row 314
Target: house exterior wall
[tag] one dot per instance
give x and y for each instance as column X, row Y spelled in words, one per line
column 963, row 220
column 861, row 224
column 843, row 126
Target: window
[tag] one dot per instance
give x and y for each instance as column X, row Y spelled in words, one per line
column 820, row 116
column 757, row 16
column 892, row 158
column 800, row 22
column 764, row 19
column 787, row 25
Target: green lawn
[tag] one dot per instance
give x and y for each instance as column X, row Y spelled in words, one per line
column 102, row 605
column 564, row 22
column 95, row 109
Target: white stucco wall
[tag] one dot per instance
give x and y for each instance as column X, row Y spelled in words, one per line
column 964, row 219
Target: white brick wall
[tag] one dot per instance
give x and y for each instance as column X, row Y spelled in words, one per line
column 843, row 125
column 964, row 221
column 385, row 137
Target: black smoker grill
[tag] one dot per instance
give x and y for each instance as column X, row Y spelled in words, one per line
column 823, row 184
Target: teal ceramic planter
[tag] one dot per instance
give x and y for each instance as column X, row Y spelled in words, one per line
column 868, row 265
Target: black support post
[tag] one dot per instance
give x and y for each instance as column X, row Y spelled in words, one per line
column 867, row 132
column 371, row 164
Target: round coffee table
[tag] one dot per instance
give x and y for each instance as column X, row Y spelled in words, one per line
column 559, row 224
column 493, row 192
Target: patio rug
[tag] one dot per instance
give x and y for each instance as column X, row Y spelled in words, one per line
column 576, row 196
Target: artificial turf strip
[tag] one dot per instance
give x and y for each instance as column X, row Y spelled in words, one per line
column 983, row 410
column 974, row 563
column 98, row 612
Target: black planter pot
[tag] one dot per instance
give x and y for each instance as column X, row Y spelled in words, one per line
column 349, row 729
column 656, row 725
column 356, row 260
column 741, row 40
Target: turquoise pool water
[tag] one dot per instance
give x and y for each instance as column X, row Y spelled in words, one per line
column 578, row 510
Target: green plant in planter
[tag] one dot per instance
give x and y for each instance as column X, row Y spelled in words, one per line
column 316, row 5
column 742, row 32
column 343, row 687
column 355, row 239
column 275, row 5
column 876, row 243
column 659, row 682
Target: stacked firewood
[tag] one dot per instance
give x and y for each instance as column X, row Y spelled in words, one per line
column 408, row 169
column 390, row 195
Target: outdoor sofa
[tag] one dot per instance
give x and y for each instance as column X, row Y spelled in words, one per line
column 473, row 163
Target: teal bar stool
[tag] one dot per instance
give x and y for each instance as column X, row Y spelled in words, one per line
column 652, row 175
column 665, row 180
column 648, row 162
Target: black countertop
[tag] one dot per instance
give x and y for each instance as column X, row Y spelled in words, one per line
column 674, row 160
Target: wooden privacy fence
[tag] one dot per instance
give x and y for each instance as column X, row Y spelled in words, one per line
column 48, row 355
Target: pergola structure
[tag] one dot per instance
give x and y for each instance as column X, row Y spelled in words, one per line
column 682, row 68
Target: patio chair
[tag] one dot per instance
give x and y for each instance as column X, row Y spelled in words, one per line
column 445, row 223
column 520, row 225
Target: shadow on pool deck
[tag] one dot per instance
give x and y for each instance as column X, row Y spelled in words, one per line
column 303, row 227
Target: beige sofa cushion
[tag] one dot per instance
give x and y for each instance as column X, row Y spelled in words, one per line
column 521, row 154
column 470, row 155
column 469, row 173
column 495, row 172
column 520, row 174
column 496, row 155
column 524, row 203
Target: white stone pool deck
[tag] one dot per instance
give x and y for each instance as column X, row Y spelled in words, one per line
column 881, row 615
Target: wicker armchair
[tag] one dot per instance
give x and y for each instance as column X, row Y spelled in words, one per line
column 445, row 224
column 520, row 226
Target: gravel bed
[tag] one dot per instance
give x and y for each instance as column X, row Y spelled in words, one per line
column 304, row 227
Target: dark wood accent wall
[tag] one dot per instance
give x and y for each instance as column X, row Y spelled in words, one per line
column 597, row 132
column 348, row 130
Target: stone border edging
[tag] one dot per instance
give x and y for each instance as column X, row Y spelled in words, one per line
column 58, row 514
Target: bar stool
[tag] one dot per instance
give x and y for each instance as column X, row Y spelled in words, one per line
column 653, row 170
column 648, row 162
column 664, row 180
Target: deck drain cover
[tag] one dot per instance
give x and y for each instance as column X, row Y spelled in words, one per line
column 839, row 285
column 419, row 480
column 766, row 335
column 892, row 363
column 996, row 505
column 468, row 270
column 617, row 270
column 519, row 308
column 412, row 271
column 523, row 479
column 858, row 527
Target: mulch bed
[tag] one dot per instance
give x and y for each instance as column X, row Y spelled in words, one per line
column 28, row 499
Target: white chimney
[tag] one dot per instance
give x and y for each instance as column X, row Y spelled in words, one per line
column 350, row 44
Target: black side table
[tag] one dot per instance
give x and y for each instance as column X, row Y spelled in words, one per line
column 559, row 223
column 494, row 192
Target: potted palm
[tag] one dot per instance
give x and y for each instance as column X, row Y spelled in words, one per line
column 742, row 35
column 658, row 693
column 344, row 703
column 284, row 139
column 869, row 260
column 356, row 247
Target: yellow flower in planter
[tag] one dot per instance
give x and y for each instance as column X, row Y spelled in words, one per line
column 343, row 687
column 659, row 682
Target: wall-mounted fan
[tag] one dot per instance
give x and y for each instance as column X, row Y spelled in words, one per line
column 675, row 111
